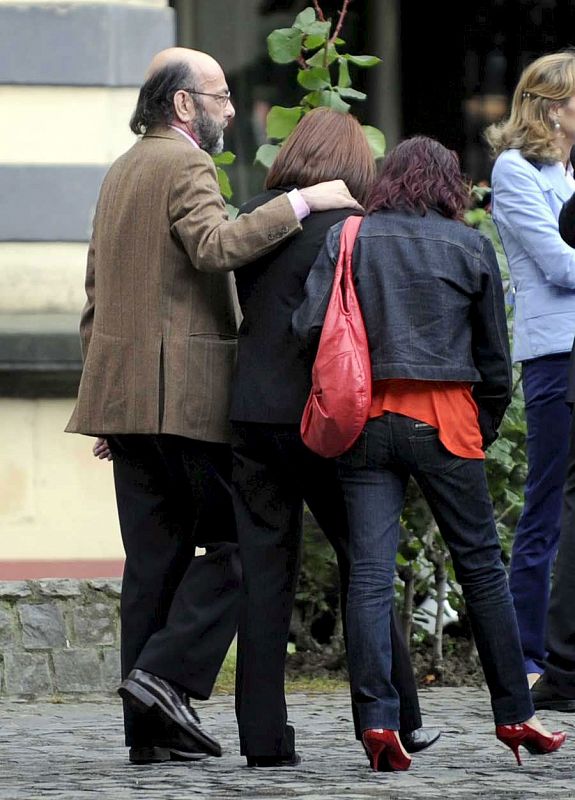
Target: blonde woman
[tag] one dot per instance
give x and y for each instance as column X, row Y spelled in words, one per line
column 532, row 178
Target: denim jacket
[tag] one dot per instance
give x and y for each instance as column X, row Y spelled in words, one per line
column 526, row 205
column 432, row 300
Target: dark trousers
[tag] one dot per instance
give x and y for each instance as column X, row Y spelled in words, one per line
column 273, row 474
column 178, row 611
column 374, row 476
column 537, row 534
column 560, row 663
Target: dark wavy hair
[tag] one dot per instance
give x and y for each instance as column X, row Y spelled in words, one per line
column 419, row 174
column 155, row 104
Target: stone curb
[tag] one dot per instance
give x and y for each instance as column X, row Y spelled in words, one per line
column 59, row 639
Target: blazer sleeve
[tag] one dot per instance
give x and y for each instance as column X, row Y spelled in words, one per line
column 490, row 346
column 87, row 317
column 520, row 203
column 567, row 221
column 308, row 319
column 198, row 218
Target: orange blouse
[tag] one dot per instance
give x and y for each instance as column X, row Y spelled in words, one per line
column 446, row 405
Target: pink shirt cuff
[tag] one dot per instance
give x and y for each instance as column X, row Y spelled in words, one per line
column 299, row 205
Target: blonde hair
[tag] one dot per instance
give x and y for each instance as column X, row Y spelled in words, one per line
column 544, row 84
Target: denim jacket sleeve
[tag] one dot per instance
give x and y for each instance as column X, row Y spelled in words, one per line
column 521, row 205
column 490, row 346
column 307, row 320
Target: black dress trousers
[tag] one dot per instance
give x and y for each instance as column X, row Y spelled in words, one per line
column 179, row 611
column 273, row 474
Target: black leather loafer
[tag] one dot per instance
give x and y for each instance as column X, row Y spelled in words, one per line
column 159, row 755
column 148, row 755
column 419, row 739
column 146, row 691
column 274, row 761
column 547, row 697
column 168, row 743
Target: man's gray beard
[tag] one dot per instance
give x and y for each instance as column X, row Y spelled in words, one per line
column 209, row 133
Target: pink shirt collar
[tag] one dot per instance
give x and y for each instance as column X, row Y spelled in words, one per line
column 186, row 135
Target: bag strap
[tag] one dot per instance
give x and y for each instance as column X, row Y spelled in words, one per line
column 347, row 239
column 349, row 233
column 342, row 272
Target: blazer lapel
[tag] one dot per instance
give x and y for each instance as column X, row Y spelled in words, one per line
column 551, row 174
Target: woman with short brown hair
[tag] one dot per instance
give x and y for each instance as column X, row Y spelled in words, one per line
column 273, row 471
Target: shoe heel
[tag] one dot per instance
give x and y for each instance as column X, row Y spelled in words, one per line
column 377, row 753
column 385, row 751
column 514, row 747
column 137, row 696
column 532, row 740
column 374, row 747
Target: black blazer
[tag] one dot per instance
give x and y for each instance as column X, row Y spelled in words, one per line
column 567, row 231
column 273, row 372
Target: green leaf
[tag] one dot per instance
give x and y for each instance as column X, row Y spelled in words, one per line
column 227, row 157
column 306, row 18
column 281, row 121
column 266, row 155
column 307, row 23
column 314, row 78
column 317, row 60
column 331, row 99
column 344, row 79
column 352, row 94
column 376, row 140
column 224, row 182
column 313, row 99
column 284, row 45
column 232, row 211
column 363, row 61
column 313, row 42
column 319, row 29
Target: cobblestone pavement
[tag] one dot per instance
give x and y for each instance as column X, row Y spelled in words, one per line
column 74, row 751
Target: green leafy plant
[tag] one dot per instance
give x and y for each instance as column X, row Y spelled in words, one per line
column 224, row 160
column 314, row 44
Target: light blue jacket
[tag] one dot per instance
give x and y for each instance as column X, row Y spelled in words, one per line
column 526, row 203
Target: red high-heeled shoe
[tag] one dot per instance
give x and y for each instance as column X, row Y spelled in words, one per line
column 385, row 751
column 532, row 740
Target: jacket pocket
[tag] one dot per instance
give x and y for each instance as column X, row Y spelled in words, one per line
column 105, row 384
column 210, row 362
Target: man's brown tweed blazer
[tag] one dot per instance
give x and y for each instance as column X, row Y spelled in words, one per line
column 159, row 326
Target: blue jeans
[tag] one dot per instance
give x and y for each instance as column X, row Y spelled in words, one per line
column 374, row 475
column 537, row 533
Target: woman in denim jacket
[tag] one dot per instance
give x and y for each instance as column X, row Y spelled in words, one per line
column 532, row 178
column 432, row 300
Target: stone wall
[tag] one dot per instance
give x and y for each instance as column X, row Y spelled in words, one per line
column 59, row 639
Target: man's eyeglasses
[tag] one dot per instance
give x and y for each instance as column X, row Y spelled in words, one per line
column 223, row 99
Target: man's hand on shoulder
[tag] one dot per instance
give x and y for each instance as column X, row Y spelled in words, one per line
column 329, row 195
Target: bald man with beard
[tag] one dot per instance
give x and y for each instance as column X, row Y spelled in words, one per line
column 159, row 343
